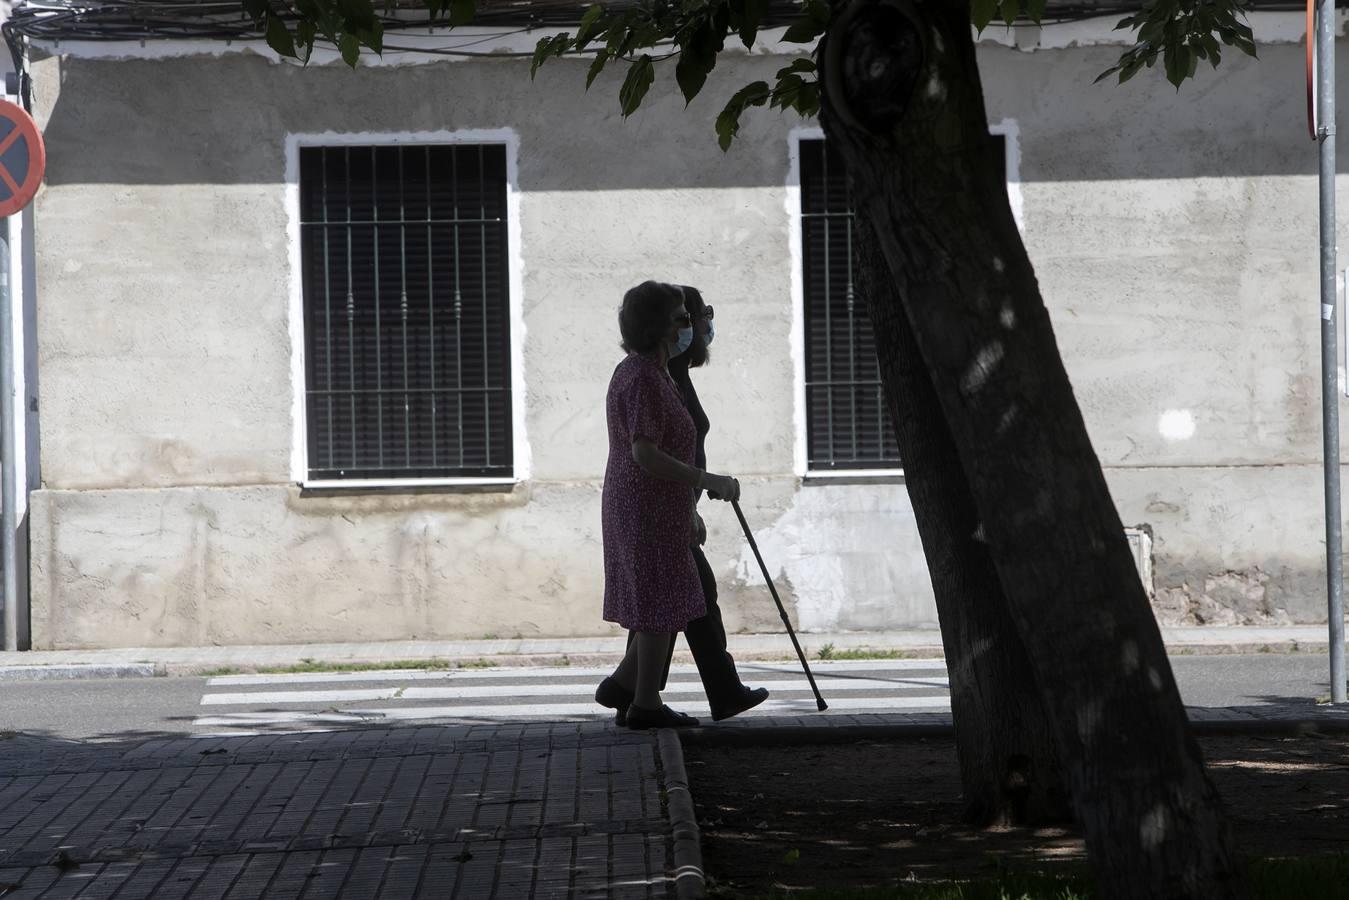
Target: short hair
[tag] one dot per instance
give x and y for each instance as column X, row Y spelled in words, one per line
column 694, row 303
column 644, row 318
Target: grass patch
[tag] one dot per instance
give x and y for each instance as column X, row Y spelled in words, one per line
column 827, row 652
column 222, row 670
column 1298, row 878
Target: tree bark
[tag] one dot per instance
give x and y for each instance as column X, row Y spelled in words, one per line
column 903, row 105
column 1009, row 767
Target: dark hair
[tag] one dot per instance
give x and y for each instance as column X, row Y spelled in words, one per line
column 693, row 302
column 644, row 318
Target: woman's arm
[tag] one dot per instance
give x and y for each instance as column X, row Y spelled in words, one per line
column 656, row 462
column 659, row 464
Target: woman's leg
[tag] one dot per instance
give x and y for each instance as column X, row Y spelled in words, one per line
column 626, row 673
column 650, row 665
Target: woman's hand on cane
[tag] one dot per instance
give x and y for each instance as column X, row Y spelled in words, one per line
column 721, row 487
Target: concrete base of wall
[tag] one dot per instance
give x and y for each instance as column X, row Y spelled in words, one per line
column 266, row 565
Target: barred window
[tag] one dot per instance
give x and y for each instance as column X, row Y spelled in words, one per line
column 848, row 425
column 406, row 311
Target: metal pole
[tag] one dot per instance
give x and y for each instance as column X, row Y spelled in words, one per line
column 8, row 482
column 1330, row 409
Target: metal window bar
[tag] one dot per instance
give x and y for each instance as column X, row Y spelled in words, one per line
column 458, row 305
column 327, row 310
column 482, row 257
column 431, row 305
column 379, row 338
column 838, row 405
column 405, row 455
column 403, row 304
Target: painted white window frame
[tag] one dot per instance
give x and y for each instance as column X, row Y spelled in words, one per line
column 299, row 457
column 1012, row 135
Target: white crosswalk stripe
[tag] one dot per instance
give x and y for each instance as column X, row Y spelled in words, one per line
column 319, row 701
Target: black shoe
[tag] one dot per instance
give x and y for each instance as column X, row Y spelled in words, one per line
column 748, row 698
column 613, row 695
column 658, row 718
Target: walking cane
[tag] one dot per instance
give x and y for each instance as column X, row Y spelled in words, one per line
column 819, row 701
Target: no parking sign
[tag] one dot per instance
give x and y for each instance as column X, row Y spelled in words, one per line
column 23, row 158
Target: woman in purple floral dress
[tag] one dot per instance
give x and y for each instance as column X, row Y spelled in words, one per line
column 651, row 584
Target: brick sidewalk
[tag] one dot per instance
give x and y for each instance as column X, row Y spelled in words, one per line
column 478, row 812
column 509, row 811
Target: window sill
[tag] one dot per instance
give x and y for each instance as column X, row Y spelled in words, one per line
column 339, row 487
column 853, row 476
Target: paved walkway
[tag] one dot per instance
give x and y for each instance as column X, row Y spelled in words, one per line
column 139, row 662
column 580, row 810
column 525, row 811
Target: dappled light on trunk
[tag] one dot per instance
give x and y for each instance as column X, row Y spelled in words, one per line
column 903, row 105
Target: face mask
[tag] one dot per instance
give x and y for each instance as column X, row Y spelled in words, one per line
column 711, row 333
column 685, row 340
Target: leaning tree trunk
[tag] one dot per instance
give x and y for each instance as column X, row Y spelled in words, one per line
column 904, row 106
column 1009, row 767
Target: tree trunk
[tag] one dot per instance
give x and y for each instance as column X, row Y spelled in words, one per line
column 904, row 106
column 1009, row 767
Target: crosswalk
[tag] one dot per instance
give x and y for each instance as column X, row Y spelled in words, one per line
column 237, row 704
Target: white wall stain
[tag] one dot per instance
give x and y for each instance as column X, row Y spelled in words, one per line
column 851, row 554
column 1176, row 425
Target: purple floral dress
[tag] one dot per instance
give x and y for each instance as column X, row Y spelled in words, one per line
column 650, row 580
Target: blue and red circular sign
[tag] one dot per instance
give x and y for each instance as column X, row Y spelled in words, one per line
column 23, row 158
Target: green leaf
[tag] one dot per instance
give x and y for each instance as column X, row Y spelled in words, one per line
column 785, row 91
column 373, row 37
column 556, row 45
column 801, row 65
column 803, row 31
column 1035, row 10
column 1009, row 10
column 635, row 86
column 279, row 37
column 589, row 27
column 357, row 15
column 617, row 32
column 596, row 67
column 462, row 11
column 691, row 71
column 1177, row 59
column 305, row 32
column 751, row 15
column 350, row 48
column 982, row 12
column 728, row 121
column 257, row 9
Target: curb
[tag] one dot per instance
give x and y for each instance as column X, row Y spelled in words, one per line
column 794, row 735
column 71, row 671
column 688, row 853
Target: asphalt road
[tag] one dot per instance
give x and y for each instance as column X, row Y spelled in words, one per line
column 126, row 708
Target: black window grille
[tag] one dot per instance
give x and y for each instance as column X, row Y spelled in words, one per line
column 407, row 311
column 847, row 423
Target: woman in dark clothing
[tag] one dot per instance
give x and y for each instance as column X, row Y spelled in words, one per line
column 706, row 635
column 651, row 583
column 727, row 695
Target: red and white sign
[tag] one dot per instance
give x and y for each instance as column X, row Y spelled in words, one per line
column 23, row 158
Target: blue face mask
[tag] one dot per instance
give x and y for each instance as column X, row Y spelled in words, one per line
column 711, row 333
column 685, row 340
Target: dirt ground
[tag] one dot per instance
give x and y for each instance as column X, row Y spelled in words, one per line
column 867, row 814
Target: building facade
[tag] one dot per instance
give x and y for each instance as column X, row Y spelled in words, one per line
column 321, row 354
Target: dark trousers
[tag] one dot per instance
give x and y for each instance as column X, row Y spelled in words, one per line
column 706, row 638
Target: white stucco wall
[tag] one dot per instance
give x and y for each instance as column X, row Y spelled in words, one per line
column 1174, row 236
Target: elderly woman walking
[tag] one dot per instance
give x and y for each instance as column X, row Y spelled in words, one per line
column 651, row 583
